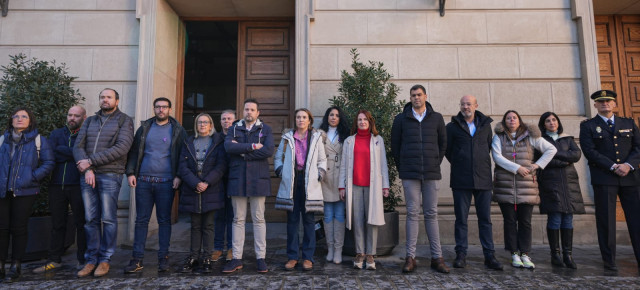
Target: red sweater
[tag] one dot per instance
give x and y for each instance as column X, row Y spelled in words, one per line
column 362, row 159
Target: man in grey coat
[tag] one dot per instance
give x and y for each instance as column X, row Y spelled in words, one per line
column 101, row 155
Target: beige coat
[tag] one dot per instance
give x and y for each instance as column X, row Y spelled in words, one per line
column 379, row 179
column 330, row 182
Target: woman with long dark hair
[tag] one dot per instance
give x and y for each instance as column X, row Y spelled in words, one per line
column 515, row 187
column 25, row 159
column 363, row 181
column 336, row 127
column 560, row 195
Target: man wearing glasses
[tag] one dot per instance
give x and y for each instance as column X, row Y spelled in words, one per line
column 152, row 168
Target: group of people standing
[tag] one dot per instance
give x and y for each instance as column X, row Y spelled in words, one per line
column 338, row 170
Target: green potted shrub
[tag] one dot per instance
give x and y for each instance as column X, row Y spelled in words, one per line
column 369, row 88
column 45, row 88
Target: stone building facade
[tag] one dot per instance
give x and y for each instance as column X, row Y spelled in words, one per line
column 529, row 55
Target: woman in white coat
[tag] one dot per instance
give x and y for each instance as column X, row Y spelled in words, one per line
column 302, row 163
column 336, row 126
column 364, row 180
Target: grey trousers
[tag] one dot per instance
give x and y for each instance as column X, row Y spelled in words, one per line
column 427, row 190
column 360, row 215
column 239, row 204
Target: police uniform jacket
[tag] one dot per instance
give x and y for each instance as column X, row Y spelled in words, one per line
column 604, row 147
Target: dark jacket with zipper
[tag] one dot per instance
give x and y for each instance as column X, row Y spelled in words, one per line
column 214, row 168
column 418, row 147
column 470, row 156
column 65, row 172
column 136, row 153
column 558, row 182
column 25, row 170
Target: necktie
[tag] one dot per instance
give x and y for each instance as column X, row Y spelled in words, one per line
column 610, row 123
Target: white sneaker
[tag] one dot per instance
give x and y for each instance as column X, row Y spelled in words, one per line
column 526, row 261
column 515, row 260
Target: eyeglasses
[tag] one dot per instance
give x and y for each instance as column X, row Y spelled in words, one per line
column 204, row 122
column 20, row 117
column 161, row 107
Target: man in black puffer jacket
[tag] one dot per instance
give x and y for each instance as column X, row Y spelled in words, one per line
column 469, row 152
column 418, row 144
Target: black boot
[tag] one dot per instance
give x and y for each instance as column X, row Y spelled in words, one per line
column 2, row 272
column 554, row 244
column 567, row 243
column 14, row 272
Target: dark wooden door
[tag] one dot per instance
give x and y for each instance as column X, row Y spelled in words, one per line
column 266, row 73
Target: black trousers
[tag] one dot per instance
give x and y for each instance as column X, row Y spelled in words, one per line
column 14, row 219
column 605, row 201
column 60, row 198
column 517, row 227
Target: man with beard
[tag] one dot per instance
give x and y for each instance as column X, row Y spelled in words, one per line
column 249, row 143
column 152, row 167
column 101, row 155
column 469, row 152
column 64, row 191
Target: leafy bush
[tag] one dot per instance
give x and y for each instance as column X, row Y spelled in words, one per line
column 46, row 89
column 368, row 88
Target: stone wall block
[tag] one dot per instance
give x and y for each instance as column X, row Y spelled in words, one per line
column 77, row 60
column 366, row 4
column 568, row 98
column 457, row 27
column 22, row 4
column 528, row 98
column 516, row 27
column 422, row 4
column 339, row 28
column 397, row 28
column 549, row 62
column 488, row 62
column 115, row 64
column 543, row 4
column 323, row 63
column 387, row 55
column 327, row 5
column 5, row 52
column 428, row 63
column 445, row 96
column 116, row 5
column 321, row 93
column 32, row 28
column 561, row 28
column 484, row 4
column 101, row 29
column 65, row 4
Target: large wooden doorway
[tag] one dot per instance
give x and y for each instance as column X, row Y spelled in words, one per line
column 618, row 39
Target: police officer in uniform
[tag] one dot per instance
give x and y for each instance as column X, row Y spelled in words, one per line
column 611, row 144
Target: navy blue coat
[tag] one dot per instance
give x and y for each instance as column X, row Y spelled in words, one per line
column 249, row 169
column 215, row 166
column 418, row 147
column 65, row 171
column 26, row 170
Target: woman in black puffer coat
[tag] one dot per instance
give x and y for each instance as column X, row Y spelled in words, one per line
column 203, row 162
column 560, row 195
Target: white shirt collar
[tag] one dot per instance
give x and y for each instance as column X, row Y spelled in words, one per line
column 605, row 118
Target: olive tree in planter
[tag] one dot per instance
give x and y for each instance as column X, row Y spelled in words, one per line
column 369, row 88
column 45, row 88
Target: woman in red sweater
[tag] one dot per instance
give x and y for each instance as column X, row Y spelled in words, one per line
column 364, row 179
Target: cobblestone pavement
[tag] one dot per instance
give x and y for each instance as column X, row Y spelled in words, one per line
column 590, row 274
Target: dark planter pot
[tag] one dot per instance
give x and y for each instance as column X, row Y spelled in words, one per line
column 39, row 241
column 388, row 236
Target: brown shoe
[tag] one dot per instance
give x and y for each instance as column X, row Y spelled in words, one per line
column 216, row 256
column 86, row 270
column 229, row 255
column 103, row 269
column 307, row 265
column 439, row 265
column 409, row 264
column 290, row 265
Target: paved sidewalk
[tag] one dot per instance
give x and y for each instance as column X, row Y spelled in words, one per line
column 590, row 273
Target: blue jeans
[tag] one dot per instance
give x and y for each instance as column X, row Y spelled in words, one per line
column 461, row 205
column 147, row 194
column 100, row 211
column 558, row 220
column 293, row 220
column 334, row 210
column 223, row 225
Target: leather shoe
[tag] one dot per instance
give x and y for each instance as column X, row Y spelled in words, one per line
column 307, row 265
column 103, row 269
column 439, row 265
column 492, row 263
column 460, row 261
column 409, row 264
column 610, row 266
column 86, row 270
column 290, row 265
